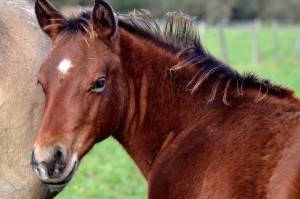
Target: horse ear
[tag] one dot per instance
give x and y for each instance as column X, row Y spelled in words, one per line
column 49, row 18
column 104, row 20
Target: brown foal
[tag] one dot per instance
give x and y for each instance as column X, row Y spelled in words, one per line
column 195, row 127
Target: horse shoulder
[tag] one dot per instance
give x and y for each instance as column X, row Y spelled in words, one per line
column 285, row 179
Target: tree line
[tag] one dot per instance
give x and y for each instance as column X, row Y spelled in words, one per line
column 210, row 10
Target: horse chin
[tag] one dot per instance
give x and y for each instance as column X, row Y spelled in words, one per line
column 53, row 190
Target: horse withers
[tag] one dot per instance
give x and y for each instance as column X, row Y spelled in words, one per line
column 195, row 127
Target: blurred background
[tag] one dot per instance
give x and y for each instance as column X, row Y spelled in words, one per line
column 259, row 36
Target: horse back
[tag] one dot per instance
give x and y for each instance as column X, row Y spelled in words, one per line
column 241, row 151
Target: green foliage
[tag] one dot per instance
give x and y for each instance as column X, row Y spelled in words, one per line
column 61, row 3
column 128, row 5
column 108, row 172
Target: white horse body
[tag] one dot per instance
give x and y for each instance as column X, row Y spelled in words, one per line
column 23, row 46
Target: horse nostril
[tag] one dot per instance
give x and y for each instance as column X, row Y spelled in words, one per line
column 58, row 163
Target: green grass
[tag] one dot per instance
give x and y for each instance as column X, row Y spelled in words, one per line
column 107, row 171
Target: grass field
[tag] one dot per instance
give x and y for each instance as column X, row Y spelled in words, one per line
column 107, row 171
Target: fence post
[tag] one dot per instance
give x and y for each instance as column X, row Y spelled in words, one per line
column 297, row 46
column 202, row 26
column 223, row 41
column 255, row 45
column 276, row 39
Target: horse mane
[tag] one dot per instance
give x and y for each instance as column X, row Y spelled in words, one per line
column 179, row 35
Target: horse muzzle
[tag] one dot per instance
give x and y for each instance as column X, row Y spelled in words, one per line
column 51, row 166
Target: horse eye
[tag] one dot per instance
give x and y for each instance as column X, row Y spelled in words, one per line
column 99, row 85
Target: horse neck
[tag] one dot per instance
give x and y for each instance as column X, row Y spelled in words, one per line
column 157, row 107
